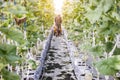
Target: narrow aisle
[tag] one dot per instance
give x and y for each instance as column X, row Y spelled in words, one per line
column 58, row 65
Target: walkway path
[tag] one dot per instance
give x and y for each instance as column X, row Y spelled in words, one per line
column 58, row 65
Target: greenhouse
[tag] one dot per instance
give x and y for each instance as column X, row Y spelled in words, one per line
column 59, row 40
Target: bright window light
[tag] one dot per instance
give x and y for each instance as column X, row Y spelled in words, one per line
column 58, row 6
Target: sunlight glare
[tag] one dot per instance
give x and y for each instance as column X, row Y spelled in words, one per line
column 58, row 6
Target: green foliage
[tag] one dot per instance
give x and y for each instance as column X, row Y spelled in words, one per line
column 45, row 12
column 97, row 50
column 39, row 13
column 108, row 46
column 85, row 47
column 8, row 54
column 13, row 34
column 117, row 51
column 93, row 16
column 109, row 66
column 33, row 64
column 17, row 10
column 97, row 22
column 32, row 28
column 9, row 75
column 7, row 49
column 1, row 66
column 103, row 7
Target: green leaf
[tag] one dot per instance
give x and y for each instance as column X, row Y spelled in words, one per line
column 9, row 75
column 12, row 58
column 6, row 49
column 108, row 46
column 104, row 29
column 117, row 51
column 109, row 66
column 33, row 63
column 107, row 4
column 93, row 15
column 13, row 34
column 18, row 9
column 97, row 50
column 116, row 15
column 8, row 53
column 33, row 28
column 1, row 66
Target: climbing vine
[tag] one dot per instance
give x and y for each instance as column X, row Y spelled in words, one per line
column 23, row 24
column 95, row 24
